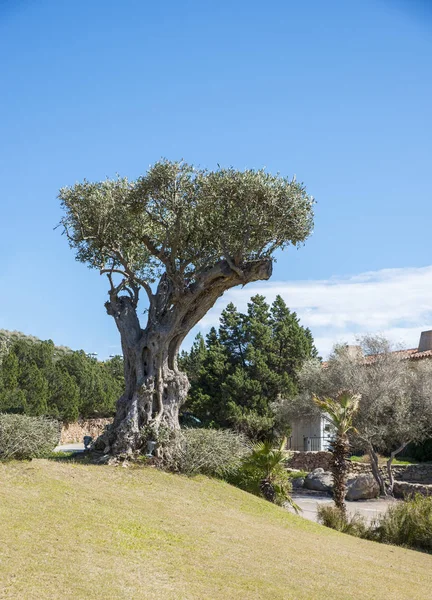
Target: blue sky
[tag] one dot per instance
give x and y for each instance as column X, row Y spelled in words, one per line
column 338, row 93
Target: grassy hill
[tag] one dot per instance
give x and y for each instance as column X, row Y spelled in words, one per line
column 76, row 531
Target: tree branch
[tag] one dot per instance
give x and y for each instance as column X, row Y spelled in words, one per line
column 129, row 274
column 152, row 248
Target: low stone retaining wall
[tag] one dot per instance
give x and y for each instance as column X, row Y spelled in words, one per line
column 74, row 432
column 421, row 473
column 308, row 461
column 359, row 468
column 402, row 489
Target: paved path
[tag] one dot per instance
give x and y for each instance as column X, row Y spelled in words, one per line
column 79, row 447
column 366, row 508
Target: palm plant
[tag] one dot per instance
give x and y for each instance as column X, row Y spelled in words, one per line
column 340, row 411
column 269, row 463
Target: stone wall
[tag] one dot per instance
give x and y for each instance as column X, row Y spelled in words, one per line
column 359, row 468
column 421, row 473
column 74, row 432
column 402, row 489
column 308, row 461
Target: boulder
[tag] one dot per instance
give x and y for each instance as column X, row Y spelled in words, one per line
column 319, row 481
column 297, row 483
column 362, row 487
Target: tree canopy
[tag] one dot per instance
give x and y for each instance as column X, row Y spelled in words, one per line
column 182, row 220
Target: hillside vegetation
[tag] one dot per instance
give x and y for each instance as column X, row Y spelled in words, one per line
column 77, row 531
column 38, row 378
column 8, row 338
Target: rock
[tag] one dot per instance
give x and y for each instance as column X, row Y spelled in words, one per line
column 362, row 487
column 297, row 482
column 319, row 481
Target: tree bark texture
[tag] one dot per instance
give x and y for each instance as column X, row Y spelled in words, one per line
column 373, row 456
column 389, row 465
column 339, row 470
column 155, row 388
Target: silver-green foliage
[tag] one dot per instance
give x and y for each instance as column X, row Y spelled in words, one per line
column 213, row 452
column 24, row 437
column 335, row 518
column 184, row 219
column 408, row 524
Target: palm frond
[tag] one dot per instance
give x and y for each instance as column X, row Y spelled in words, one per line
column 340, row 410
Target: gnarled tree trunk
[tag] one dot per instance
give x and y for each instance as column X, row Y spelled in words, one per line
column 373, row 456
column 389, row 465
column 155, row 388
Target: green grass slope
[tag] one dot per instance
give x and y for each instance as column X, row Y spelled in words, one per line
column 74, row 531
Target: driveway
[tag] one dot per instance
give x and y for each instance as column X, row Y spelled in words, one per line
column 79, row 447
column 367, row 508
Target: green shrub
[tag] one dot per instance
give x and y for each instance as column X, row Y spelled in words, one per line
column 297, row 474
column 250, row 478
column 407, row 524
column 255, row 426
column 214, row 452
column 421, row 452
column 333, row 517
column 263, row 473
column 24, row 437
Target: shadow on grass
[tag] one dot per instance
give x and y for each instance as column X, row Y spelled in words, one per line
column 83, row 458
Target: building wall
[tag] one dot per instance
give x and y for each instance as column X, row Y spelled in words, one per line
column 313, row 434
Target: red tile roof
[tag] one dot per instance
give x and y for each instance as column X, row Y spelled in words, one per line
column 409, row 354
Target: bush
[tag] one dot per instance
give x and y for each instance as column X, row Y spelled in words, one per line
column 407, row 524
column 249, row 478
column 297, row 474
column 214, row 452
column 24, row 437
column 333, row 517
column 255, row 426
column 421, row 452
column 263, row 473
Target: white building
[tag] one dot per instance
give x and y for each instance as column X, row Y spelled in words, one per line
column 311, row 434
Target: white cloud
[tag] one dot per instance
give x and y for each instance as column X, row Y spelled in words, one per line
column 394, row 302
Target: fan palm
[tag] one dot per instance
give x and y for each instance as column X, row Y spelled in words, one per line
column 274, row 482
column 340, row 411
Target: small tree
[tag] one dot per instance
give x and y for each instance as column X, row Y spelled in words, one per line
column 340, row 411
column 184, row 236
column 396, row 397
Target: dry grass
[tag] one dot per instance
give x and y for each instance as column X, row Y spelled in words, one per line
column 74, row 531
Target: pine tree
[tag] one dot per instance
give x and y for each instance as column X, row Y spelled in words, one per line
column 35, row 386
column 12, row 399
column 206, row 399
column 251, row 361
column 64, row 396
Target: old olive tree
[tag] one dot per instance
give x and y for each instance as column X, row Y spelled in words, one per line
column 183, row 236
